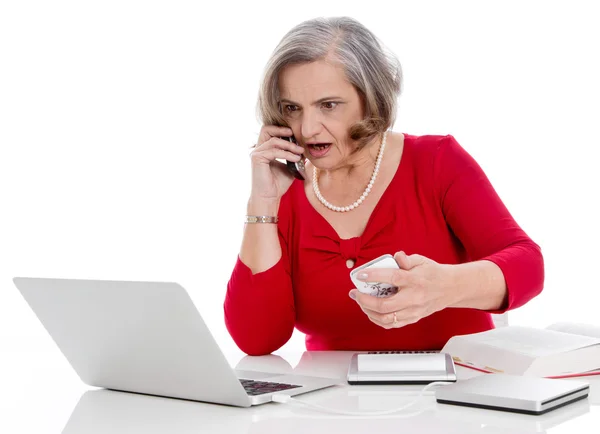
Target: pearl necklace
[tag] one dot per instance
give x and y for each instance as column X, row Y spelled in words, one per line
column 315, row 183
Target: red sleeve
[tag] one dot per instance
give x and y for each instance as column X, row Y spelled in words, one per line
column 259, row 308
column 476, row 215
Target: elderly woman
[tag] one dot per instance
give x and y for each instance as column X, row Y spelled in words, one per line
column 368, row 191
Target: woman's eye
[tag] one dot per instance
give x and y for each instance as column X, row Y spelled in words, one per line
column 330, row 105
column 291, row 108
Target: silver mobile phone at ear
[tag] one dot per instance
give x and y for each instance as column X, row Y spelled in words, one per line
column 296, row 168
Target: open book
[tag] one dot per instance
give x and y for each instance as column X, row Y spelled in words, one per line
column 558, row 351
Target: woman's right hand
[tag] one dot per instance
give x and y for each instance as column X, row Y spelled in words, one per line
column 271, row 178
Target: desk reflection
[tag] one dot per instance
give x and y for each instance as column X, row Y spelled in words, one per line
column 329, row 364
column 106, row 411
column 334, row 364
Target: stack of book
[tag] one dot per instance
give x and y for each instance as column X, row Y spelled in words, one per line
column 560, row 351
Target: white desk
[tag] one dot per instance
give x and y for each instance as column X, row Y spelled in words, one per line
column 41, row 393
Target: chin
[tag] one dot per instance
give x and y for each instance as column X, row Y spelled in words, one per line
column 321, row 164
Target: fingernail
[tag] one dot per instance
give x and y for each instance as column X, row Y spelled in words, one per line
column 352, row 295
column 362, row 276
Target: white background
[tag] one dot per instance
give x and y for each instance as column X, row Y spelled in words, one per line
column 125, row 129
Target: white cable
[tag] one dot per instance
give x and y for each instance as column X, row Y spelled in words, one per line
column 287, row 399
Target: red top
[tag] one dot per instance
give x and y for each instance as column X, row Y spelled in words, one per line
column 439, row 204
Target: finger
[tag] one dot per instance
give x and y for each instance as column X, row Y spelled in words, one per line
column 376, row 304
column 395, row 325
column 380, row 324
column 271, row 154
column 407, row 315
column 269, row 131
column 277, row 142
column 380, row 320
column 375, row 319
column 404, row 321
column 403, row 260
column 403, row 299
column 273, row 148
column 408, row 262
column 392, row 276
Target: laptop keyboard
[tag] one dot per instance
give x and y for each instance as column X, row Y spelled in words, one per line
column 261, row 387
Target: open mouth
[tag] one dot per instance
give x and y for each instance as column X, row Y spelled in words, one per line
column 320, row 146
column 318, row 149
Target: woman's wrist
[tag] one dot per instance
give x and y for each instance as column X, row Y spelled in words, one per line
column 262, row 207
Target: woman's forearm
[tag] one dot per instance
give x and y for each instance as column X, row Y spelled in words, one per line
column 478, row 285
column 259, row 308
column 260, row 248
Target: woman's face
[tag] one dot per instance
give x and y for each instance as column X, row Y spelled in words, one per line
column 320, row 105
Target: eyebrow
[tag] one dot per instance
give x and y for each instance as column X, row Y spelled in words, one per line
column 319, row 101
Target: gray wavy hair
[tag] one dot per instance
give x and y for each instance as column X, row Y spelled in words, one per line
column 374, row 71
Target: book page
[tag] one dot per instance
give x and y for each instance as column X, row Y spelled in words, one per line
column 530, row 341
column 576, row 329
column 569, row 363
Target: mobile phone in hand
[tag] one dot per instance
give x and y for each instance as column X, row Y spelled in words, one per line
column 296, row 168
column 376, row 289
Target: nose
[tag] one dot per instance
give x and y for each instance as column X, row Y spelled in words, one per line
column 311, row 124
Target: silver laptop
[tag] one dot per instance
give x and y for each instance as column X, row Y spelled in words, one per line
column 147, row 337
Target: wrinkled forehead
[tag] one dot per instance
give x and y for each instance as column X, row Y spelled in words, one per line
column 310, row 81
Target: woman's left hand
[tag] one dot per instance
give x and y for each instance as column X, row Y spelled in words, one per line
column 424, row 287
